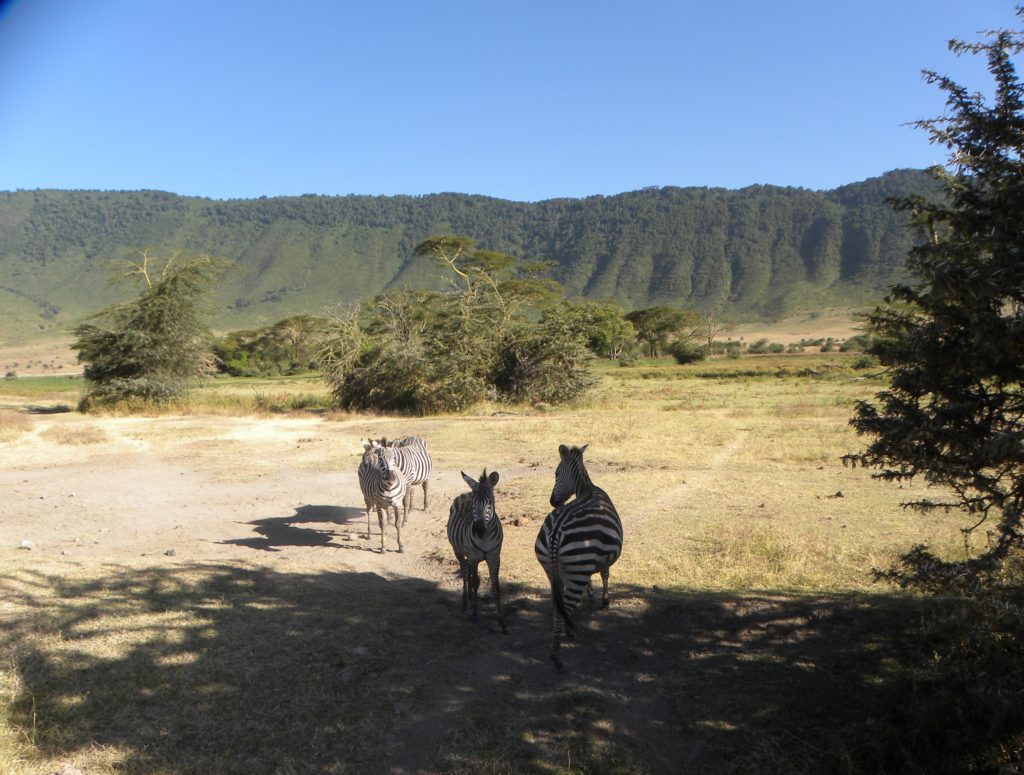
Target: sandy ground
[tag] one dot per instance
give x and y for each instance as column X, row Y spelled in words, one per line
column 86, row 494
column 84, row 490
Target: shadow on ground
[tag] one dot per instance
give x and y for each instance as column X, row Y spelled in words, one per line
column 277, row 532
column 226, row 669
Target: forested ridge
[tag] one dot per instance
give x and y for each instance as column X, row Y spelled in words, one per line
column 760, row 251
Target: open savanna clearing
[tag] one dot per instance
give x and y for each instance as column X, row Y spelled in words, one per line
column 202, row 594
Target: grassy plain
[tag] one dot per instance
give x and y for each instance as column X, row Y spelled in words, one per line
column 746, row 633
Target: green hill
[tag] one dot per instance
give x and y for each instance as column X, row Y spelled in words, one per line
column 759, row 252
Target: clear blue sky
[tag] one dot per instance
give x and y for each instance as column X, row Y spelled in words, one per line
column 524, row 100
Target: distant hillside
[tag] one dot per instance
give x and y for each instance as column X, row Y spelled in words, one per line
column 759, row 252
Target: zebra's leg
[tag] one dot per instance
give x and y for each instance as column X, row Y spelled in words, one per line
column 425, row 483
column 380, row 519
column 474, row 587
column 604, row 591
column 398, row 530
column 464, row 573
column 368, row 507
column 493, row 566
column 556, row 638
column 406, row 506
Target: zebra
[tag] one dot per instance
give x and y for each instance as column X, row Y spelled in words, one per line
column 474, row 531
column 413, row 457
column 384, row 487
column 578, row 539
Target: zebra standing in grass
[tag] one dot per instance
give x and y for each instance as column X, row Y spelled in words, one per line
column 384, row 487
column 578, row 539
column 475, row 533
column 413, row 457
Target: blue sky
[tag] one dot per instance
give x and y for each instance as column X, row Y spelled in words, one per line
column 528, row 100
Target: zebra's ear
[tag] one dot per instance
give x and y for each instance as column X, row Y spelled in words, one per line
column 366, row 444
column 562, row 450
column 493, row 478
column 583, row 449
column 469, row 480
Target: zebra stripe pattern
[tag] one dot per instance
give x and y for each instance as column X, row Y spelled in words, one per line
column 475, row 533
column 579, row 538
column 384, row 487
column 412, row 456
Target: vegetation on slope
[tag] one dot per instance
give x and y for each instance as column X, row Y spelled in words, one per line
column 759, row 251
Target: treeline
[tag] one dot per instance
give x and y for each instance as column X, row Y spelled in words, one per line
column 755, row 252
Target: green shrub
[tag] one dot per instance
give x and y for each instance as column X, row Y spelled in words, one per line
column 687, row 352
column 865, row 362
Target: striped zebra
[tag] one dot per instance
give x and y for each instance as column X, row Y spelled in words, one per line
column 578, row 539
column 413, row 457
column 475, row 533
column 384, row 487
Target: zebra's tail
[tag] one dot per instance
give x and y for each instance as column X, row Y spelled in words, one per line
column 556, row 590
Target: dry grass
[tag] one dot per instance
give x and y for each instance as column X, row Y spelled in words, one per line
column 743, row 604
column 73, row 436
column 13, row 424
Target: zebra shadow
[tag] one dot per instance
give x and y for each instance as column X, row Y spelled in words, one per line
column 273, row 533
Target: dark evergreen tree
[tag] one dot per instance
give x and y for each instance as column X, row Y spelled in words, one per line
column 953, row 339
column 155, row 347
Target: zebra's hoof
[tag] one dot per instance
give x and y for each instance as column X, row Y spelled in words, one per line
column 604, row 604
column 401, row 550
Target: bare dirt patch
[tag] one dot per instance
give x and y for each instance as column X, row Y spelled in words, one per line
column 202, row 595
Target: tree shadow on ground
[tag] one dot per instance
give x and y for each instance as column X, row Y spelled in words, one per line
column 226, row 669
column 277, row 532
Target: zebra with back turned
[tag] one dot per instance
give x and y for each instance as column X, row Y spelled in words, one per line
column 384, row 487
column 475, row 533
column 412, row 456
column 579, row 538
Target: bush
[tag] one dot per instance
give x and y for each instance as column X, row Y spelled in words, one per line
column 762, row 346
column 865, row 362
column 687, row 352
column 541, row 364
column 859, row 343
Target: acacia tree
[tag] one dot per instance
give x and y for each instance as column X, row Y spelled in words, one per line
column 657, row 326
column 152, row 348
column 429, row 352
column 602, row 325
column 953, row 339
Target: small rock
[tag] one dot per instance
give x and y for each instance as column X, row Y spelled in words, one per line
column 65, row 552
column 170, row 553
column 27, row 545
column 67, row 769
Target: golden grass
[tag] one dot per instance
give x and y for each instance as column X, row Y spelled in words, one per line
column 13, row 424
column 730, row 486
column 57, row 434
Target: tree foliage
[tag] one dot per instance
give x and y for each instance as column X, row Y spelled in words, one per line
column 602, row 325
column 658, row 326
column 761, row 250
column 286, row 347
column 953, row 339
column 154, row 347
column 425, row 352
